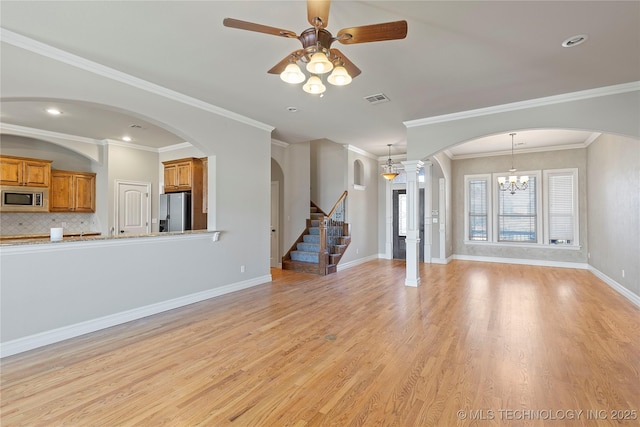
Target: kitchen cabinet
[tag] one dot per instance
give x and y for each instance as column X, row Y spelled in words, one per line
column 22, row 171
column 72, row 191
column 179, row 174
column 187, row 175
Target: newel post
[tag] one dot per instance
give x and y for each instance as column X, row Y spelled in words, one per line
column 412, row 169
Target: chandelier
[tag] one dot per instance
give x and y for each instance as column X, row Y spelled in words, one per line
column 514, row 183
column 389, row 169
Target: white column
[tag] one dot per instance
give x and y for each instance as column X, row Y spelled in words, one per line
column 412, row 169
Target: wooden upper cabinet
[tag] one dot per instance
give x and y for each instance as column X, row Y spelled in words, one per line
column 22, row 171
column 179, row 174
column 72, row 191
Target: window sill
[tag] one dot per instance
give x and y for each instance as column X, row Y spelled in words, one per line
column 524, row 245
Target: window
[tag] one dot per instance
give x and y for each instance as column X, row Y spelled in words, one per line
column 477, row 194
column 517, row 214
column 562, row 207
column 478, row 218
column 546, row 213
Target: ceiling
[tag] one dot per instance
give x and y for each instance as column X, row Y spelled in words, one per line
column 457, row 56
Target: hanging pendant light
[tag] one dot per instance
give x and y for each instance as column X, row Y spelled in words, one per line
column 513, row 183
column 389, row 170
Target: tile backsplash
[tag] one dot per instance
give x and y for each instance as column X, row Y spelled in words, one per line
column 14, row 223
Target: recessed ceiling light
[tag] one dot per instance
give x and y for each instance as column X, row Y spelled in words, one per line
column 575, row 40
column 54, row 111
column 292, row 109
column 126, row 138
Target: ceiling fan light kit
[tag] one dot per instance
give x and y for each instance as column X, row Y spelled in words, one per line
column 316, row 50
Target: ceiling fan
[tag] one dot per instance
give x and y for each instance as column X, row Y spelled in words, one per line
column 316, row 52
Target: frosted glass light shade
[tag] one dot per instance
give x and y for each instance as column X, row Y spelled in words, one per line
column 339, row 77
column 314, row 86
column 292, row 74
column 319, row 64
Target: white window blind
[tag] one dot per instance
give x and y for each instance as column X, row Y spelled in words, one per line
column 517, row 214
column 478, row 218
column 561, row 208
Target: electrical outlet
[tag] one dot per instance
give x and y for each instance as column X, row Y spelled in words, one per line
column 242, row 269
column 623, row 274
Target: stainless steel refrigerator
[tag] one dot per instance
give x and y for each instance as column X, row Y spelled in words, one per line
column 175, row 212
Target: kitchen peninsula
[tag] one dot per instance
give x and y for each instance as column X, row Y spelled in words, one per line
column 21, row 240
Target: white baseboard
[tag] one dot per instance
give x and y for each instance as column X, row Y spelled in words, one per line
column 356, row 262
column 616, row 286
column 441, row 260
column 60, row 334
column 543, row 263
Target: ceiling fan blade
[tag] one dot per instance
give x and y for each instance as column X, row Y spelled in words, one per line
column 280, row 66
column 318, row 12
column 250, row 26
column 350, row 66
column 373, row 33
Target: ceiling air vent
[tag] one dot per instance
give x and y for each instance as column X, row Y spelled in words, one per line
column 377, row 98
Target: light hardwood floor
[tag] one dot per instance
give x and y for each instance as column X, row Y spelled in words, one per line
column 476, row 344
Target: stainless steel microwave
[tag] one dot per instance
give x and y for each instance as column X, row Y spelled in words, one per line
column 24, row 199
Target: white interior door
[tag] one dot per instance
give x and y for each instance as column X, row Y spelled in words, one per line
column 133, row 207
column 275, row 220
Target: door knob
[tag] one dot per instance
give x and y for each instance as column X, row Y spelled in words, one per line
column 122, row 231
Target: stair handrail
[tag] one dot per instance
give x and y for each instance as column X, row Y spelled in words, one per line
column 337, row 204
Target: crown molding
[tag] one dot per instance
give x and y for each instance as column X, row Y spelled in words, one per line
column 115, row 142
column 279, row 143
column 521, row 105
column 60, row 55
column 174, row 147
column 7, row 128
column 360, row 151
column 582, row 145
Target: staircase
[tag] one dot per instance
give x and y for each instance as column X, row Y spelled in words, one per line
column 321, row 246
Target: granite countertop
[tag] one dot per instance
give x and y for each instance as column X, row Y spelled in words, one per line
column 33, row 239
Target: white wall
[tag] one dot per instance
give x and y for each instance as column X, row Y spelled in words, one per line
column 614, row 209
column 362, row 209
column 328, row 173
column 295, row 163
column 83, row 284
